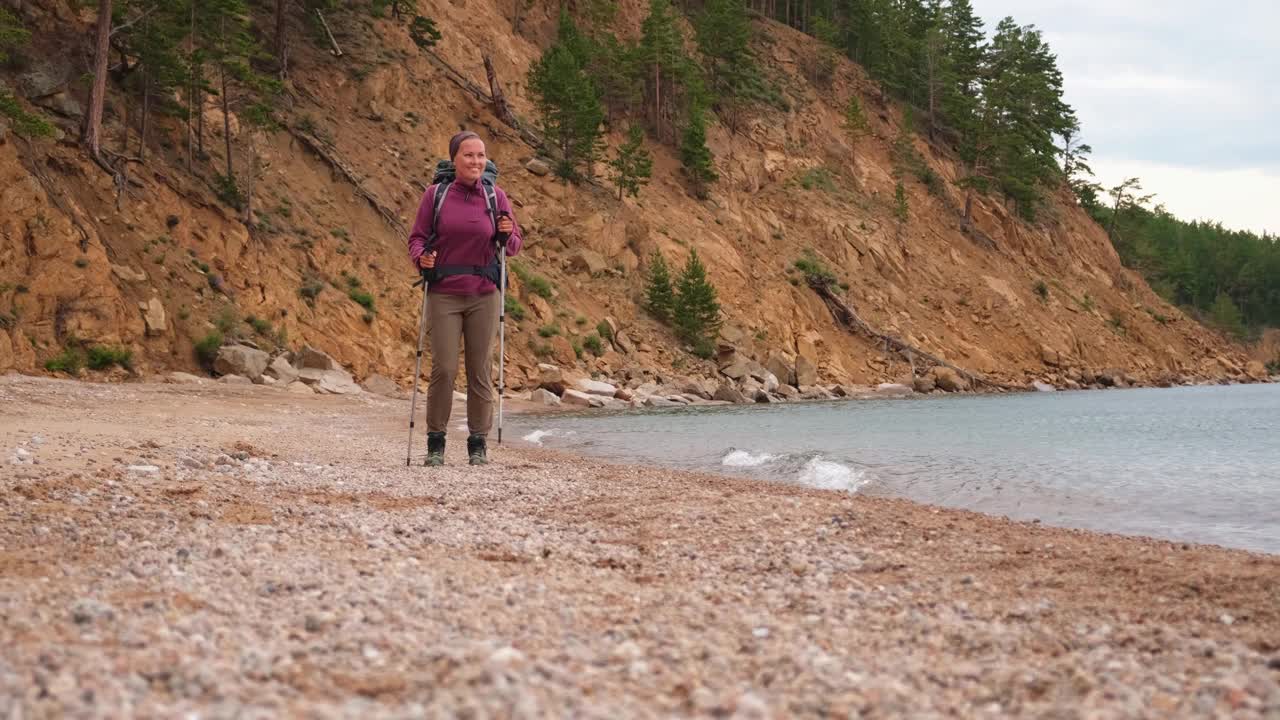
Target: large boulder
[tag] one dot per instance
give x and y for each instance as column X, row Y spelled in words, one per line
column 588, row 261
column 729, row 393
column 622, row 341
column 551, row 378
column 332, row 382
column 240, row 360
column 154, row 316
column 282, row 370
column 545, row 398
column 806, row 372
column 595, row 387
column 379, row 385
column 777, row 364
column 924, row 384
column 575, row 397
column 893, row 390
column 948, row 379
column 309, row 357
column 739, row 369
column 1050, row 357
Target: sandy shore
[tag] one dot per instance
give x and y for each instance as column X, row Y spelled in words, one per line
column 242, row 552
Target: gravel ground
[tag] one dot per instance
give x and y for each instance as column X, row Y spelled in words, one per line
column 239, row 552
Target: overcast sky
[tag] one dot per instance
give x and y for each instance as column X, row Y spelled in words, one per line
column 1184, row 94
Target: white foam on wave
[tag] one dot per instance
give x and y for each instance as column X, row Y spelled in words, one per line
column 536, row 437
column 830, row 475
column 744, row 458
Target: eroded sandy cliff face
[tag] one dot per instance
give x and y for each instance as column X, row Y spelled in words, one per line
column 1016, row 301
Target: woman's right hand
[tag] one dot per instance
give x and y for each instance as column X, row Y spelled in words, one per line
column 427, row 261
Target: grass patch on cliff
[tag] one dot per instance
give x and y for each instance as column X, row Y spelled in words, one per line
column 75, row 356
column 537, row 284
column 207, row 348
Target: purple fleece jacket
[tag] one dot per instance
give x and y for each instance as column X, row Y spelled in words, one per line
column 465, row 235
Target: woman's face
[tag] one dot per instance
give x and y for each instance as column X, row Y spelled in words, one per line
column 470, row 160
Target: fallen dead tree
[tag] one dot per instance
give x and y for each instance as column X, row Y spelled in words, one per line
column 918, row 358
column 330, row 156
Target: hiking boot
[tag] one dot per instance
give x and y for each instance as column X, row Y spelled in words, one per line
column 435, row 449
column 476, row 450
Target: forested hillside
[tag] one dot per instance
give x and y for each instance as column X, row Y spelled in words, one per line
column 198, row 172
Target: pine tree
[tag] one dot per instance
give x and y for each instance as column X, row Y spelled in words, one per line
column 661, row 55
column 12, row 34
column 659, row 295
column 695, row 156
column 855, row 121
column 724, row 37
column 1226, row 315
column 568, row 101
column 633, row 165
column 696, row 313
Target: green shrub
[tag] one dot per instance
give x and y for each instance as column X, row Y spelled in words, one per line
column 82, row 262
column 361, row 298
column 537, row 284
column 69, row 361
column 594, row 344
column 311, row 288
column 577, row 349
column 259, row 325
column 102, row 357
column 1042, row 290
column 226, row 321
column 605, row 330
column 818, row 178
column 550, row 330
column 207, row 348
column 814, row 269
column 511, row 306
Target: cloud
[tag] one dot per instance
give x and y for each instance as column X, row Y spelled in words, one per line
column 1242, row 199
column 1181, row 87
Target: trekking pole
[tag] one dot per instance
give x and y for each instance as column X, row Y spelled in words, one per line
column 417, row 366
column 502, row 331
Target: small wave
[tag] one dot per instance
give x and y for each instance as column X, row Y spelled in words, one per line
column 745, row 458
column 830, row 475
column 536, row 437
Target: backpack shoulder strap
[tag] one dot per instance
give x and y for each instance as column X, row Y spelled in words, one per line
column 491, row 200
column 442, row 190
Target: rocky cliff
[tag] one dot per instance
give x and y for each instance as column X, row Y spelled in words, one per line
column 157, row 268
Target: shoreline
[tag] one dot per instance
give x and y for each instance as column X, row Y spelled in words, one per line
column 260, row 552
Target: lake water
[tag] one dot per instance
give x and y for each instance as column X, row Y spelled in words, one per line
column 1199, row 464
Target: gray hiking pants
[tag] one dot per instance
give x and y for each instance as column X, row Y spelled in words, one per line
column 474, row 320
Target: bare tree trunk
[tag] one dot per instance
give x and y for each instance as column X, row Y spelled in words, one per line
column 657, row 99
column 226, row 124
column 191, row 97
column 282, row 51
column 146, row 110
column 500, row 107
column 250, row 181
column 91, row 132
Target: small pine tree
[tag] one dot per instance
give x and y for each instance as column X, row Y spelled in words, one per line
column 695, row 155
column 633, row 165
column 696, row 314
column 659, row 295
column 900, row 202
column 855, row 121
column 1226, row 315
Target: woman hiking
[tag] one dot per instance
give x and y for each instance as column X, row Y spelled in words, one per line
column 458, row 254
